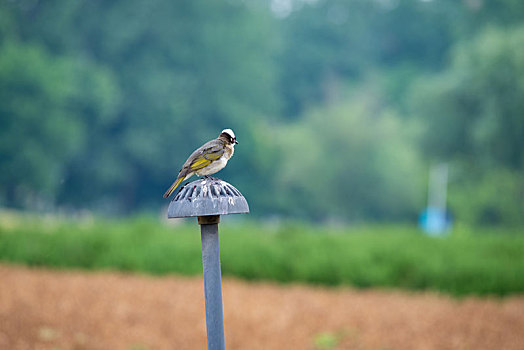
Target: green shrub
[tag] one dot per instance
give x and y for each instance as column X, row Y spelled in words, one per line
column 489, row 262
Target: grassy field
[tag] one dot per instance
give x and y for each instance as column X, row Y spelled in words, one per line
column 490, row 262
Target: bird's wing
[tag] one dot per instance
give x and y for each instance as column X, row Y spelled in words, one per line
column 199, row 159
column 204, row 156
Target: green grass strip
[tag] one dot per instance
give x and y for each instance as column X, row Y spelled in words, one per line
column 386, row 256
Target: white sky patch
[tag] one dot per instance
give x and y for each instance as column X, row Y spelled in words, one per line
column 281, row 8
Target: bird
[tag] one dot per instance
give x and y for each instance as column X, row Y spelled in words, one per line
column 208, row 159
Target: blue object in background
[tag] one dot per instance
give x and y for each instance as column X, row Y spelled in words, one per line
column 435, row 221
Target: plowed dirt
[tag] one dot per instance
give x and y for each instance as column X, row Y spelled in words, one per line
column 47, row 309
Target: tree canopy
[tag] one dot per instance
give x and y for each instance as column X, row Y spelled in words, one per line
column 339, row 106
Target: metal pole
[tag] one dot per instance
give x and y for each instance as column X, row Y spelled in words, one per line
column 212, row 282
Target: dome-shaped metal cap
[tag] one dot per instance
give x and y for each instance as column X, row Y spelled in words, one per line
column 205, row 197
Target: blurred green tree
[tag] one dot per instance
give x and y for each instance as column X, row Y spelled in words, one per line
column 178, row 72
column 473, row 115
column 328, row 43
column 42, row 120
column 105, row 100
column 350, row 161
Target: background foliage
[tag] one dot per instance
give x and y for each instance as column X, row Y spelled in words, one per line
column 483, row 262
column 339, row 106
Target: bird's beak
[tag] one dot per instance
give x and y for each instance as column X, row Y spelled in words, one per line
column 236, row 142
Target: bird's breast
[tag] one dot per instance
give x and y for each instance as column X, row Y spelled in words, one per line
column 214, row 167
column 228, row 152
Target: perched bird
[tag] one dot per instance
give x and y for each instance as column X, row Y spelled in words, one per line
column 208, row 159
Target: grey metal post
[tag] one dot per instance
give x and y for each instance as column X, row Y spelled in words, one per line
column 212, row 285
column 207, row 199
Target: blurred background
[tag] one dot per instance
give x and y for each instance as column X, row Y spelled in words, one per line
column 369, row 115
column 362, row 124
column 341, row 107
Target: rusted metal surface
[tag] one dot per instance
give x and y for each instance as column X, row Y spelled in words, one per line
column 209, row 219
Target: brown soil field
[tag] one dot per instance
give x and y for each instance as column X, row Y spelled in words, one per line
column 48, row 309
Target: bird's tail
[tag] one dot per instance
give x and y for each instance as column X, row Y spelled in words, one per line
column 173, row 186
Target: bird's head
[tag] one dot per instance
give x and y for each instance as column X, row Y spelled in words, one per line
column 229, row 136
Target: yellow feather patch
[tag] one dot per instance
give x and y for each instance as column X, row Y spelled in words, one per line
column 200, row 163
column 173, row 186
column 213, row 156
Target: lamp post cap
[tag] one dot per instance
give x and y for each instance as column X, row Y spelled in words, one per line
column 207, row 196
